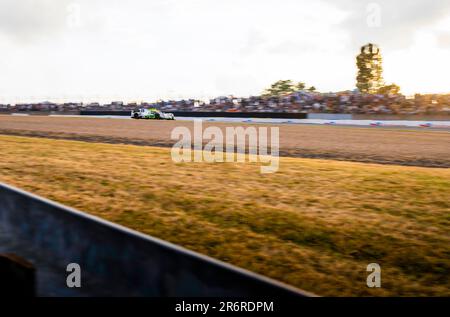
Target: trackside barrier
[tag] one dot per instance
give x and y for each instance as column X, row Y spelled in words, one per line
column 206, row 114
column 121, row 262
column 330, row 116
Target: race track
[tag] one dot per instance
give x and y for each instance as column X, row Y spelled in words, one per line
column 403, row 146
column 361, row 123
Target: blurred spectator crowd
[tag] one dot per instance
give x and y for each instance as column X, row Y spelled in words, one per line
column 302, row 101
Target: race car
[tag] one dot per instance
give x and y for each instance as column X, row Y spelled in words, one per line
column 151, row 114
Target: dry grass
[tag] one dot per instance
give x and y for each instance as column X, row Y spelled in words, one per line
column 315, row 224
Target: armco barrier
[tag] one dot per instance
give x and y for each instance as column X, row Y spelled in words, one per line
column 114, row 260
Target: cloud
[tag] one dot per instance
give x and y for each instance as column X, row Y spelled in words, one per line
column 444, row 40
column 27, row 20
column 398, row 19
column 255, row 40
column 148, row 48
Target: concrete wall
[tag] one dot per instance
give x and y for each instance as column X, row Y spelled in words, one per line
column 330, row 116
column 114, row 260
column 410, row 117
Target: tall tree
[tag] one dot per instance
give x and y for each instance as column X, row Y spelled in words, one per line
column 370, row 69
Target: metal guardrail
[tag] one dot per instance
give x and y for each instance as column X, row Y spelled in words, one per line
column 114, row 260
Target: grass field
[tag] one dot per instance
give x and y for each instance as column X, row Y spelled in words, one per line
column 315, row 224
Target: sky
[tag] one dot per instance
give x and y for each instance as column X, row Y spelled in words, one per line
column 135, row 50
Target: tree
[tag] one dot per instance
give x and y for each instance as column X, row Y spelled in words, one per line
column 300, row 86
column 281, row 87
column 370, row 69
column 284, row 87
column 391, row 89
column 312, row 88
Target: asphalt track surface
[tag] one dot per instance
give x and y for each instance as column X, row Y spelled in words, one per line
column 415, row 146
column 442, row 124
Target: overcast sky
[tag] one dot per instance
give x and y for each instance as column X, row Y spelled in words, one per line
column 148, row 49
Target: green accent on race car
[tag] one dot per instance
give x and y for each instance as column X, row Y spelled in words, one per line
column 151, row 115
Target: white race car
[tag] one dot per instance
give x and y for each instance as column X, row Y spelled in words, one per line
column 153, row 113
